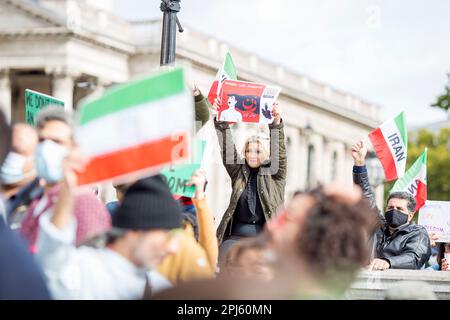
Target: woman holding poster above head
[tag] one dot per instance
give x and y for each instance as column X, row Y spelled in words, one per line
column 258, row 181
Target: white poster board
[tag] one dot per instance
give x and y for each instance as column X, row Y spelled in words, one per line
column 435, row 217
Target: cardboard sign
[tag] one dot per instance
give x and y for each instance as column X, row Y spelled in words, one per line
column 242, row 101
column 35, row 102
column 435, row 217
column 177, row 176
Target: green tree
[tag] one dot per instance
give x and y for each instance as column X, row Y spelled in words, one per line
column 443, row 101
column 438, row 161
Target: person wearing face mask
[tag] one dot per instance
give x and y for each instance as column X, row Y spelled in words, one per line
column 21, row 278
column 54, row 127
column 18, row 174
column 398, row 243
column 145, row 230
column 258, row 181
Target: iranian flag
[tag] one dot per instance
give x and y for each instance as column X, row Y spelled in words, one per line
column 390, row 142
column 226, row 72
column 415, row 181
column 136, row 128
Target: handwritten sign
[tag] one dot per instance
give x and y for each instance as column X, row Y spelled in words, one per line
column 35, row 102
column 177, row 176
column 435, row 217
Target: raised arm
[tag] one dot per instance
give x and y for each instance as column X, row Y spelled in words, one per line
column 228, row 151
column 207, row 233
column 360, row 176
column 202, row 106
column 278, row 157
column 56, row 249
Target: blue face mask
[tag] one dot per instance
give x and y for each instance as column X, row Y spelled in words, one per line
column 49, row 156
column 12, row 170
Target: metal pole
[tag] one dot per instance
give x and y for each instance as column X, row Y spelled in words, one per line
column 169, row 32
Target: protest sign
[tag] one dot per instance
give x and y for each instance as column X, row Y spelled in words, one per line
column 435, row 217
column 35, row 102
column 136, row 129
column 177, row 176
column 242, row 101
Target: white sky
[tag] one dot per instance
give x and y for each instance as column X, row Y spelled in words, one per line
column 394, row 53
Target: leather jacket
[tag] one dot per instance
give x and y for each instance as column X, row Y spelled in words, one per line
column 408, row 247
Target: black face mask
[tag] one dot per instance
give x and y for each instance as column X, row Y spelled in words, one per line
column 395, row 218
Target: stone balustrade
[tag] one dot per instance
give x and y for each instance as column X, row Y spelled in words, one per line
column 371, row 285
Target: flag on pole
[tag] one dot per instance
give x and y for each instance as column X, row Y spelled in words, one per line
column 415, row 181
column 226, row 72
column 390, row 142
column 135, row 128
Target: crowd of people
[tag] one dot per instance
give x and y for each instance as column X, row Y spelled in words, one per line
column 59, row 242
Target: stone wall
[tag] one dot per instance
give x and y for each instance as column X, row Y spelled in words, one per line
column 371, row 285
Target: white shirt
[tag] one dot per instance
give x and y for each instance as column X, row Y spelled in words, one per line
column 89, row 273
column 231, row 115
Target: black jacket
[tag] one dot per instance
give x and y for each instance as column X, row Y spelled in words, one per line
column 408, row 247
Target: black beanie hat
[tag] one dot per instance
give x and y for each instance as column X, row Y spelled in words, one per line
column 148, row 204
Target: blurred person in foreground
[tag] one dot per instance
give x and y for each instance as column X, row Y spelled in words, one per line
column 145, row 230
column 398, row 242
column 198, row 252
column 55, row 131
column 246, row 259
column 20, row 276
column 18, row 174
column 314, row 246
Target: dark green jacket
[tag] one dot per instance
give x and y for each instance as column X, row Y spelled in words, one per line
column 271, row 175
column 201, row 110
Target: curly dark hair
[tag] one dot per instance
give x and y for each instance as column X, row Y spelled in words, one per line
column 335, row 236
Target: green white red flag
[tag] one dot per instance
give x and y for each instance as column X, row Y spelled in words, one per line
column 415, row 181
column 136, row 128
column 226, row 72
column 390, row 142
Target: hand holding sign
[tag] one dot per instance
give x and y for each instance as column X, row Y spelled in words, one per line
column 435, row 217
column 198, row 180
column 276, row 112
column 216, row 105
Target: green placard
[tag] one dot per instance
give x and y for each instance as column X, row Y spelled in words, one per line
column 177, row 176
column 35, row 102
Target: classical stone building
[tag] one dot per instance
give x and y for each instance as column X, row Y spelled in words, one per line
column 70, row 49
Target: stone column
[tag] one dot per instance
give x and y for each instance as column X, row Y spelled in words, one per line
column 63, row 89
column 302, row 159
column 318, row 168
column 341, row 173
column 63, row 83
column 327, row 159
column 295, row 161
column 5, row 94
